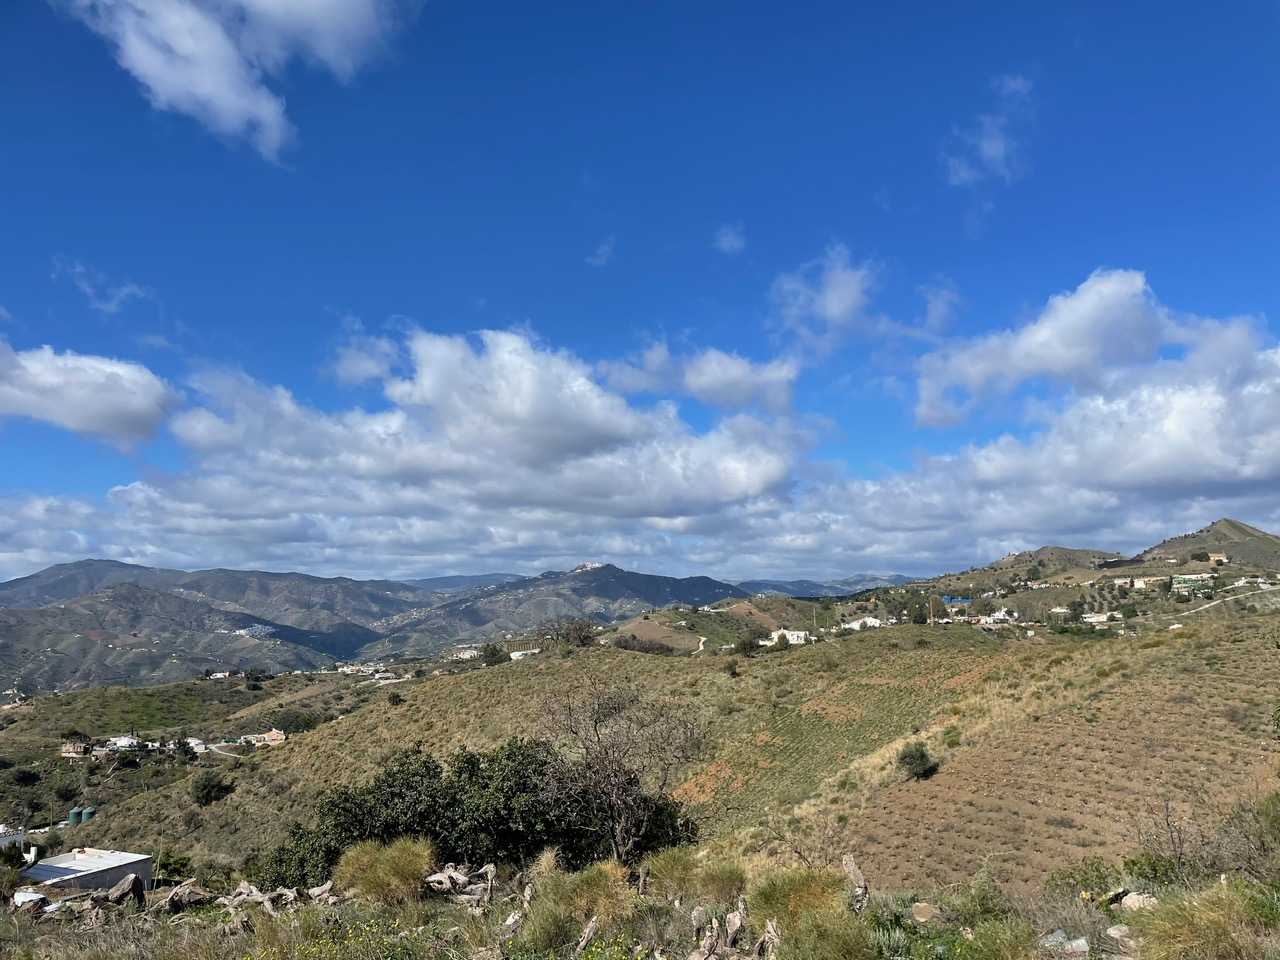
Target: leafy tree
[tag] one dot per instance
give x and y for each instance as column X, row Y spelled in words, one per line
column 626, row 750
column 914, row 760
column 394, row 698
column 210, row 787
column 491, row 655
column 568, row 631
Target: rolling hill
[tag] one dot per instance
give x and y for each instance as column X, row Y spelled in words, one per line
column 127, row 634
column 822, row 588
column 1241, row 542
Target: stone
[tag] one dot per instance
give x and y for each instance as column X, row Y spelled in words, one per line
column 587, row 936
column 315, row 893
column 130, row 887
column 860, row 894
column 925, row 913
column 1138, row 901
column 1120, row 936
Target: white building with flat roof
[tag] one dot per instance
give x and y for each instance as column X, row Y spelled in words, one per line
column 88, row 868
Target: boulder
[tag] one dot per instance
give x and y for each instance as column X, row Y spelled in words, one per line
column 1138, row 901
column 315, row 893
column 859, row 894
column 923, row 913
column 1121, row 936
column 130, row 887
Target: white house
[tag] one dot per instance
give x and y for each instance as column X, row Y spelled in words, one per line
column 793, row 637
column 123, row 743
column 863, row 623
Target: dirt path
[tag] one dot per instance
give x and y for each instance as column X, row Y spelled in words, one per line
column 1239, row 596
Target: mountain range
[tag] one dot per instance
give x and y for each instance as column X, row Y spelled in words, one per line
column 103, row 621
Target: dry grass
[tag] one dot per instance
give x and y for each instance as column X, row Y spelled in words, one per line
column 1214, row 925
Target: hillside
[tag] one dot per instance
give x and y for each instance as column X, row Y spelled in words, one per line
column 1041, row 749
column 822, row 588
column 601, row 592
column 130, row 634
column 458, row 584
column 1241, row 542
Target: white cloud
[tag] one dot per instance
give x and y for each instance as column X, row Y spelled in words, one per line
column 5, row 316
column 730, row 381
column 103, row 295
column 824, row 302
column 941, row 299
column 1110, row 320
column 730, row 239
column 603, row 253
column 500, row 452
column 651, row 372
column 116, row 400
column 210, row 59
column 990, row 147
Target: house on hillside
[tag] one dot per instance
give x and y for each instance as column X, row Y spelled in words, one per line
column 87, row 868
column 1218, row 558
column 123, row 743
column 863, row 623
column 791, row 637
column 75, row 750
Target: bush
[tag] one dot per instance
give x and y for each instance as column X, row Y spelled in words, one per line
column 394, row 698
column 1212, row 926
column 827, row 934
column 673, row 872
column 1092, row 875
column 722, row 881
column 784, row 895
column 1010, row 938
column 210, row 787
column 975, row 902
column 914, row 760
column 391, row 875
column 565, row 903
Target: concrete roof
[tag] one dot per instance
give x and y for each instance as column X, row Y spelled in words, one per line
column 79, row 861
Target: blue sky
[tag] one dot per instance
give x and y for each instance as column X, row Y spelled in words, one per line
column 382, row 288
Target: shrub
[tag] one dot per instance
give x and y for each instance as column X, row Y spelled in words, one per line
column 977, row 901
column 209, row 787
column 390, row 875
column 601, row 890
column 830, row 933
column 394, row 698
column 784, row 895
column 722, row 881
column 673, row 872
column 1092, row 874
column 1212, row 926
column 914, row 760
column 1010, row 938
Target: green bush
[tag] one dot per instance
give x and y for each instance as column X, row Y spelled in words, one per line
column 1009, row 938
column 977, row 901
column 210, row 787
column 830, row 933
column 722, row 881
column 390, row 875
column 914, row 760
column 785, row 895
column 1092, row 875
column 673, row 872
column 1215, row 925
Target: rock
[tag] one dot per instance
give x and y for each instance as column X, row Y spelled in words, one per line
column 732, row 927
column 1138, row 901
column 699, row 918
column 1120, row 936
column 315, row 893
column 130, row 887
column 587, row 936
column 183, row 897
column 925, row 913
column 859, row 895
column 1115, row 896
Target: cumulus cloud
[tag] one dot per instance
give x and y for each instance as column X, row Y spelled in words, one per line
column 990, row 147
column 653, row 370
column 728, row 380
column 825, row 302
column 730, row 239
column 211, row 59
column 1111, row 319
column 116, row 400
column 498, row 451
column 602, row 254
column 103, row 294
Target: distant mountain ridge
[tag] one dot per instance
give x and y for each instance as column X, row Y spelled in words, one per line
column 858, row 583
column 96, row 621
